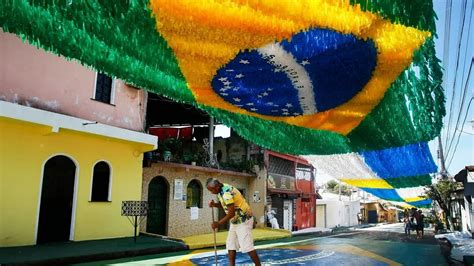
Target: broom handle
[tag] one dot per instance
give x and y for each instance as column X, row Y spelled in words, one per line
column 214, row 230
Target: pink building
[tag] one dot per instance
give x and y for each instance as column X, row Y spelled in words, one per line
column 35, row 78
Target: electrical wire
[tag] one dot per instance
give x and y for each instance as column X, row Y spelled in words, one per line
column 447, row 33
column 456, row 147
column 461, row 108
column 453, row 95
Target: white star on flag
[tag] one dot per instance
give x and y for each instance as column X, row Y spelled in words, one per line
column 250, row 104
column 289, row 105
column 223, row 79
column 239, row 76
column 237, row 100
column 305, row 62
column 245, row 62
column 253, row 109
column 265, row 94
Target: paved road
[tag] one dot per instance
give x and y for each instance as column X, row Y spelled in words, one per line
column 383, row 245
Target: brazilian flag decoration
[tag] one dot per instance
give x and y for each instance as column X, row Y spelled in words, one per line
column 353, row 84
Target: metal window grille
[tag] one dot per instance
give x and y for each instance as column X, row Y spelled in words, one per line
column 281, row 166
column 304, row 172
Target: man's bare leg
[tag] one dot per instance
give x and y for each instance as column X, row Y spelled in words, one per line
column 231, row 254
column 254, row 256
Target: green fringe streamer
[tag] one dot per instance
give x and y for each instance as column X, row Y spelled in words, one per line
column 411, row 110
column 281, row 137
column 120, row 39
column 415, row 13
column 409, row 181
column 116, row 37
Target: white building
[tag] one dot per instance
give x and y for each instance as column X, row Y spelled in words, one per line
column 334, row 210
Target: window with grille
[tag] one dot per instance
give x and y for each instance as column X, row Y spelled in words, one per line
column 103, row 88
column 304, row 172
column 281, row 166
column 101, row 182
column 194, row 194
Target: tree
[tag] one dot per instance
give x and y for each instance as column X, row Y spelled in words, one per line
column 333, row 186
column 441, row 192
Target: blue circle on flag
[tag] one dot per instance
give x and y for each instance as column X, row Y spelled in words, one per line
column 315, row 71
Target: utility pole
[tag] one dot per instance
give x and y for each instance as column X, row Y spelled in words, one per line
column 339, row 186
column 211, row 138
column 441, row 158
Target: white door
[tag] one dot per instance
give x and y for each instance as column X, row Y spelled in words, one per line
column 321, row 215
column 287, row 214
column 347, row 215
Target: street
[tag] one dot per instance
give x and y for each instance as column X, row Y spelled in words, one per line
column 381, row 245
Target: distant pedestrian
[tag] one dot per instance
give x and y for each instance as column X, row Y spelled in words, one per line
column 239, row 214
column 421, row 224
column 272, row 219
column 359, row 218
column 407, row 222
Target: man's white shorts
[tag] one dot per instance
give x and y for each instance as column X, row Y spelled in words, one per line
column 240, row 235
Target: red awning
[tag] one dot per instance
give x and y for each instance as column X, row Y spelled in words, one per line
column 172, row 132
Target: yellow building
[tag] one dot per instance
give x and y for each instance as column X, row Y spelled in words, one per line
column 64, row 178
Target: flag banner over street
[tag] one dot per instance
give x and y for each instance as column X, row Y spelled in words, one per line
column 354, row 85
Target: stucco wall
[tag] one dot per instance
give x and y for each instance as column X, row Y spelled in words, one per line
column 25, row 148
column 179, row 218
column 33, row 77
column 340, row 213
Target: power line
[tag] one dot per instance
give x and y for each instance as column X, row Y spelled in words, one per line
column 461, row 32
column 467, row 111
column 447, row 32
column 462, row 105
column 456, row 147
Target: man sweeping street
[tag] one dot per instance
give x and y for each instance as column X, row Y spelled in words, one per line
column 239, row 214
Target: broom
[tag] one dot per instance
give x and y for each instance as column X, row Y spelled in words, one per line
column 215, row 244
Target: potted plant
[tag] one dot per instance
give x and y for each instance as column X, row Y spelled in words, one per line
column 171, row 149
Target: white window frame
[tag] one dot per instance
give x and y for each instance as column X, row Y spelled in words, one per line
column 112, row 90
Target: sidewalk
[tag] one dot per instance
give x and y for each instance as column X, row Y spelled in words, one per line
column 462, row 246
column 75, row 252
column 93, row 250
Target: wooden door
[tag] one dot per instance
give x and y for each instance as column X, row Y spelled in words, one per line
column 157, row 206
column 57, row 193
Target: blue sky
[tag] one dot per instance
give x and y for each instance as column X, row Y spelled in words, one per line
column 463, row 155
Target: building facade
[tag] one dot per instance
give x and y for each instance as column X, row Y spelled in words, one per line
column 290, row 190
column 334, row 210
column 71, row 150
column 178, row 198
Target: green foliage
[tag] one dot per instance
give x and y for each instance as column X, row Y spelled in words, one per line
column 441, row 192
column 333, row 187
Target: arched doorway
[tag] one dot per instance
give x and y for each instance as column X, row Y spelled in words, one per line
column 157, row 206
column 57, row 193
